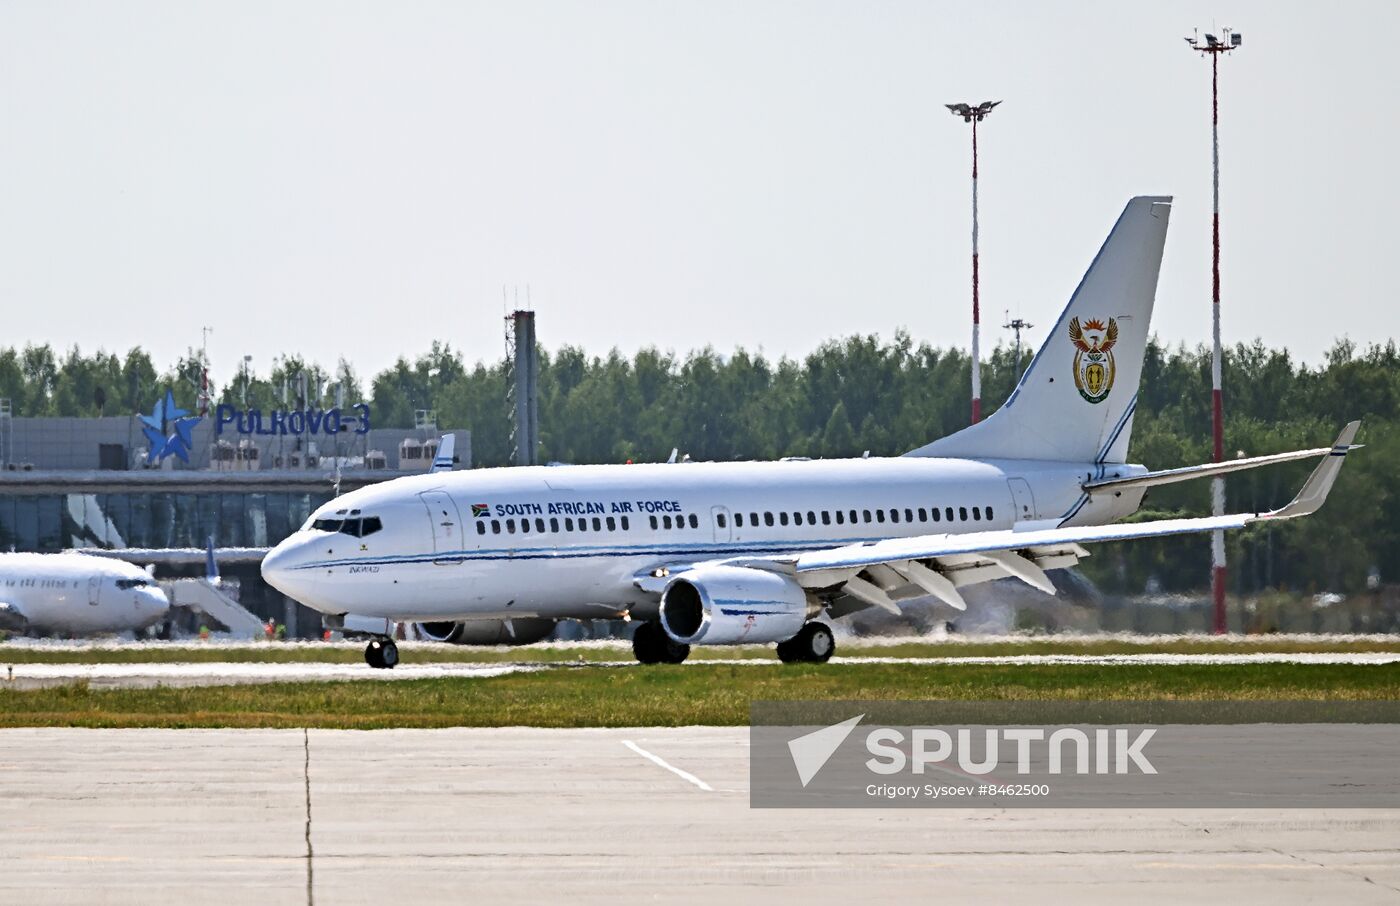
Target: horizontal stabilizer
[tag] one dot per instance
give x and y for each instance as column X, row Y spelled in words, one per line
column 1210, row 470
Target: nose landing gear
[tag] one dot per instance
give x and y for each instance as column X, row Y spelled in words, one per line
column 382, row 654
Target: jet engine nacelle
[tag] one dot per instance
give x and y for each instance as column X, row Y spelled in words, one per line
column 732, row 605
column 522, row 631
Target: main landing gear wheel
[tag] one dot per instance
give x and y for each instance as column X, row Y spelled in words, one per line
column 813, row 644
column 652, row 645
column 382, row 654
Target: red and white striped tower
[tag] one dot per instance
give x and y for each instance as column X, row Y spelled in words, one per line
column 975, row 115
column 1214, row 46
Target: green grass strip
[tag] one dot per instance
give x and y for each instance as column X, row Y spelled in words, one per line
column 714, row 695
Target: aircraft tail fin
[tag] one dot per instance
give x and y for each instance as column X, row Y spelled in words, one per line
column 445, row 454
column 1075, row 402
column 211, row 564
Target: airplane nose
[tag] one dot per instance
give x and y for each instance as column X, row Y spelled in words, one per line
column 275, row 568
column 279, row 570
column 157, row 604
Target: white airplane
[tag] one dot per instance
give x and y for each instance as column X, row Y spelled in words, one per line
column 746, row 552
column 74, row 594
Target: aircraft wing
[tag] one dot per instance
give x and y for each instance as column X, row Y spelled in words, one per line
column 179, row 556
column 882, row 573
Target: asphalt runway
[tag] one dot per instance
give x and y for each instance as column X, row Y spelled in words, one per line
column 29, row 676
column 595, row 816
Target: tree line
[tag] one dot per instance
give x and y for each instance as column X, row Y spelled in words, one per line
column 850, row 396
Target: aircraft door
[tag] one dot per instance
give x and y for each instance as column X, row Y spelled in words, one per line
column 1025, row 500
column 94, row 589
column 446, row 523
column 722, row 520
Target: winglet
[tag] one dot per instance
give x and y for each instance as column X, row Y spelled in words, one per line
column 1319, row 484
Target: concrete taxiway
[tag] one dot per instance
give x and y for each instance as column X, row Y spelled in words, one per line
column 594, row 816
column 225, row 673
column 220, row 673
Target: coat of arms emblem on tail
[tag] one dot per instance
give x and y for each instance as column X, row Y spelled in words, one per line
column 1093, row 358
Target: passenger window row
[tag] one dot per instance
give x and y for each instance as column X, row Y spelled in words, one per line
column 680, row 522
column 895, row 515
column 540, row 526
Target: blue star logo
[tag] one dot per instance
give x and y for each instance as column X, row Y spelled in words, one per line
column 157, row 427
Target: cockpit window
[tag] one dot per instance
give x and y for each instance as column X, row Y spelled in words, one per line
column 354, row 526
column 133, row 583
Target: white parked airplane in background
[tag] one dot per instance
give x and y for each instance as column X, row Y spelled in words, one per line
column 74, row 594
column 727, row 553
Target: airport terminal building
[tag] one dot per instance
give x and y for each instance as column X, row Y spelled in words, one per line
column 172, row 479
column 94, row 482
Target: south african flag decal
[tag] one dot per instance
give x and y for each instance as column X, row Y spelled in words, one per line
column 480, row 509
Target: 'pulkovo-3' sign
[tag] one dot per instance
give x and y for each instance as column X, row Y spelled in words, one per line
column 297, row 421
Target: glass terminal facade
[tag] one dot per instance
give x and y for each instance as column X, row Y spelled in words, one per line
column 53, row 522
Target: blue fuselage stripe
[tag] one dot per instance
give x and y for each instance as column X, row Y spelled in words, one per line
column 729, row 548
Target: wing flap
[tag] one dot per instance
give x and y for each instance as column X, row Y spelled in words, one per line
column 935, row 583
column 1024, row 568
column 871, row 593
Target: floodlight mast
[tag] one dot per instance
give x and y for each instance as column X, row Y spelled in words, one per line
column 1214, row 46
column 1018, row 325
column 974, row 115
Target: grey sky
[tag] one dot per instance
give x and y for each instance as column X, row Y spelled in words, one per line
column 359, row 179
